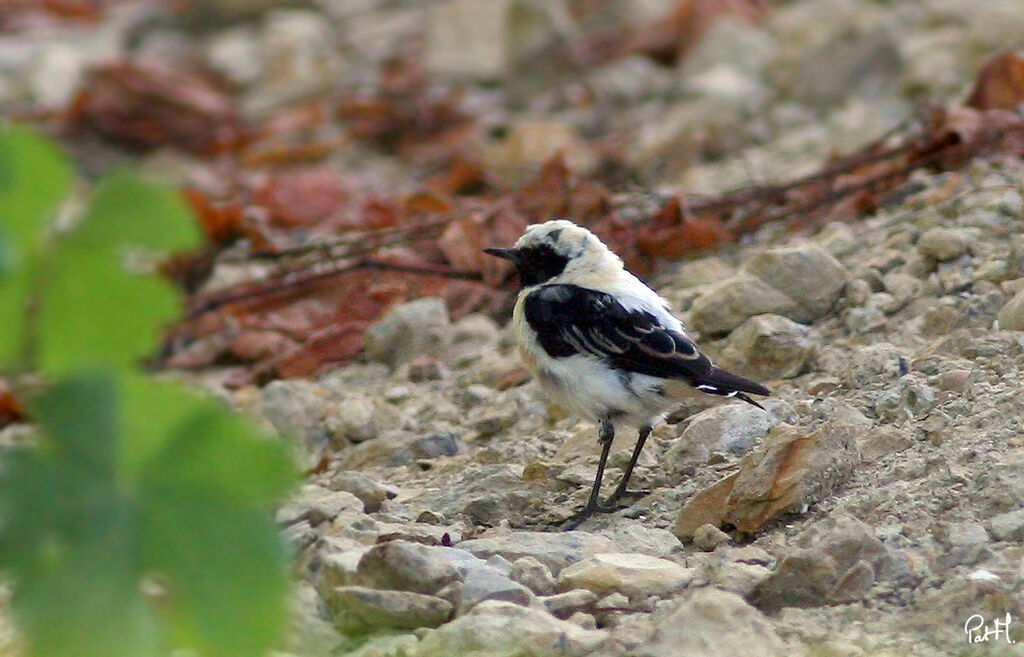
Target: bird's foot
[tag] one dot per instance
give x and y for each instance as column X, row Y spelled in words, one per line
column 616, row 499
column 576, row 519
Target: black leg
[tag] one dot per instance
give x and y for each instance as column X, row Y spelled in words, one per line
column 605, row 438
column 622, row 491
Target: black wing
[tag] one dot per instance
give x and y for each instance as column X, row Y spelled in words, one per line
column 572, row 320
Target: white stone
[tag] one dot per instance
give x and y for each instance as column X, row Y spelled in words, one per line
column 630, row 574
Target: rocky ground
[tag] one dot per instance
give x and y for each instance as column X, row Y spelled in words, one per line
column 873, row 508
column 901, row 518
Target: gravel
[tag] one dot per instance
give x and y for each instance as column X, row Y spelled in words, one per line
column 871, row 510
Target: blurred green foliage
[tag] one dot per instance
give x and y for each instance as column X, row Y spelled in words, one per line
column 140, row 522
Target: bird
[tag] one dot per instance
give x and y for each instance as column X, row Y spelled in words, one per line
column 603, row 345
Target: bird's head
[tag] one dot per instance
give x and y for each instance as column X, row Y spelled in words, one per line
column 556, row 249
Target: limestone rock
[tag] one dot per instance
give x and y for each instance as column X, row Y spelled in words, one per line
column 317, row 504
column 713, row 622
column 486, row 496
column 738, row 577
column 943, row 243
column 356, row 418
column 564, row 605
column 630, row 536
column 807, row 274
column 357, row 609
column 529, row 144
column 633, row 575
column 502, row 629
column 837, row 560
column 554, row 550
column 729, row 427
column 726, row 305
column 1011, row 316
column 1008, row 526
column 370, row 492
column 411, row 329
column 491, row 36
column 767, row 347
column 533, row 575
column 708, row 537
column 864, row 60
column 405, row 566
column 481, row 582
column 788, row 470
column 801, row 283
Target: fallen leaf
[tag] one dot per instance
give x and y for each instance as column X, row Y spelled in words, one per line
column 147, row 107
column 11, row 410
column 671, row 234
column 1000, row 84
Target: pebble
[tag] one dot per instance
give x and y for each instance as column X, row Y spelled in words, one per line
column 943, row 243
column 790, row 469
column 966, row 534
column 370, row 492
column 732, row 428
column 356, row 418
column 534, row 575
column 1008, row 526
column 1011, row 316
column 738, row 577
column 564, row 605
column 729, row 303
column 808, row 274
column 415, row 328
column 708, row 537
column 317, row 504
column 767, row 347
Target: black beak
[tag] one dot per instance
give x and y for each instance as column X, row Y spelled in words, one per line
column 507, row 254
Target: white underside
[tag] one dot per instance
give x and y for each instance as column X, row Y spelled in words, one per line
column 590, row 389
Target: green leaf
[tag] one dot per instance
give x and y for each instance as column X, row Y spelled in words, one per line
column 128, row 211
column 228, row 571
column 96, row 313
column 7, row 255
column 70, row 536
column 34, row 179
column 14, row 294
column 206, row 496
column 191, row 441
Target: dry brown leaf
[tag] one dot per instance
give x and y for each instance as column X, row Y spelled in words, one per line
column 1000, row 84
column 671, row 234
column 146, row 107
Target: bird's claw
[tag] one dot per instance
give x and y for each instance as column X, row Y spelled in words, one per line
column 618, row 496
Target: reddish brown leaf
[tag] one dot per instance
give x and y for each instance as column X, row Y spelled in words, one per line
column 404, row 111
column 222, row 221
column 11, row 410
column 463, row 179
column 146, row 107
column 463, row 242
column 1000, row 84
column 427, row 203
column 303, row 198
column 672, row 234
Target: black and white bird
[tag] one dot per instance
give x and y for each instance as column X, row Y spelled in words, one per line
column 602, row 344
